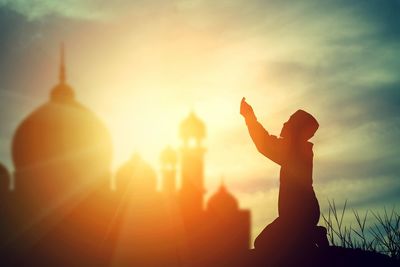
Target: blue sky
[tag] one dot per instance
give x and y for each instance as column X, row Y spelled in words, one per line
column 339, row 60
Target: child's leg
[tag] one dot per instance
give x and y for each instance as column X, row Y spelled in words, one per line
column 269, row 237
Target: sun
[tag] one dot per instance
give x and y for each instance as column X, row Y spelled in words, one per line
column 146, row 129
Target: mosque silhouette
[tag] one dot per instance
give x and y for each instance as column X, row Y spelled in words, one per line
column 63, row 212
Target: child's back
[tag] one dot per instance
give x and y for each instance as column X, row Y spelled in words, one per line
column 297, row 201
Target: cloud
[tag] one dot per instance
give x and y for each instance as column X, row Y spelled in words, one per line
column 37, row 9
column 382, row 14
column 89, row 10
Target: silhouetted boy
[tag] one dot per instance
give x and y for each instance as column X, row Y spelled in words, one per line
column 298, row 206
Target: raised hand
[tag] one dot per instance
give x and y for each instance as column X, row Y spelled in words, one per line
column 245, row 109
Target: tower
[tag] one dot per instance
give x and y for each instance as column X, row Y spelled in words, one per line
column 168, row 168
column 192, row 133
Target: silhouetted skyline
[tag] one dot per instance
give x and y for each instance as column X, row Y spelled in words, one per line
column 67, row 208
column 337, row 59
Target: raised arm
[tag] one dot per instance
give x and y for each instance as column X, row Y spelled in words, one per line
column 268, row 145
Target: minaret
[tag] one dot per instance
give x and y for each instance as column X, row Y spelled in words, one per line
column 192, row 132
column 168, row 168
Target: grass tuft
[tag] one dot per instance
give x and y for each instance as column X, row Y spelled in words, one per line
column 382, row 235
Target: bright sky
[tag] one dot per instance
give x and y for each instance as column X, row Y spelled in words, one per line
column 143, row 66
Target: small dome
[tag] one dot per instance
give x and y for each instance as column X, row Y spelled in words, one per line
column 169, row 156
column 136, row 174
column 222, row 201
column 192, row 127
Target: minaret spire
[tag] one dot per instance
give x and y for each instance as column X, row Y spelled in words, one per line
column 62, row 75
column 62, row 92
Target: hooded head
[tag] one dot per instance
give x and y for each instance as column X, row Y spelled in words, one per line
column 300, row 126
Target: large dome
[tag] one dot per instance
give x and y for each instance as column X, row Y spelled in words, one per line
column 60, row 131
column 61, row 141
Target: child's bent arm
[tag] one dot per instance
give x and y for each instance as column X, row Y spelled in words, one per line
column 268, row 145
